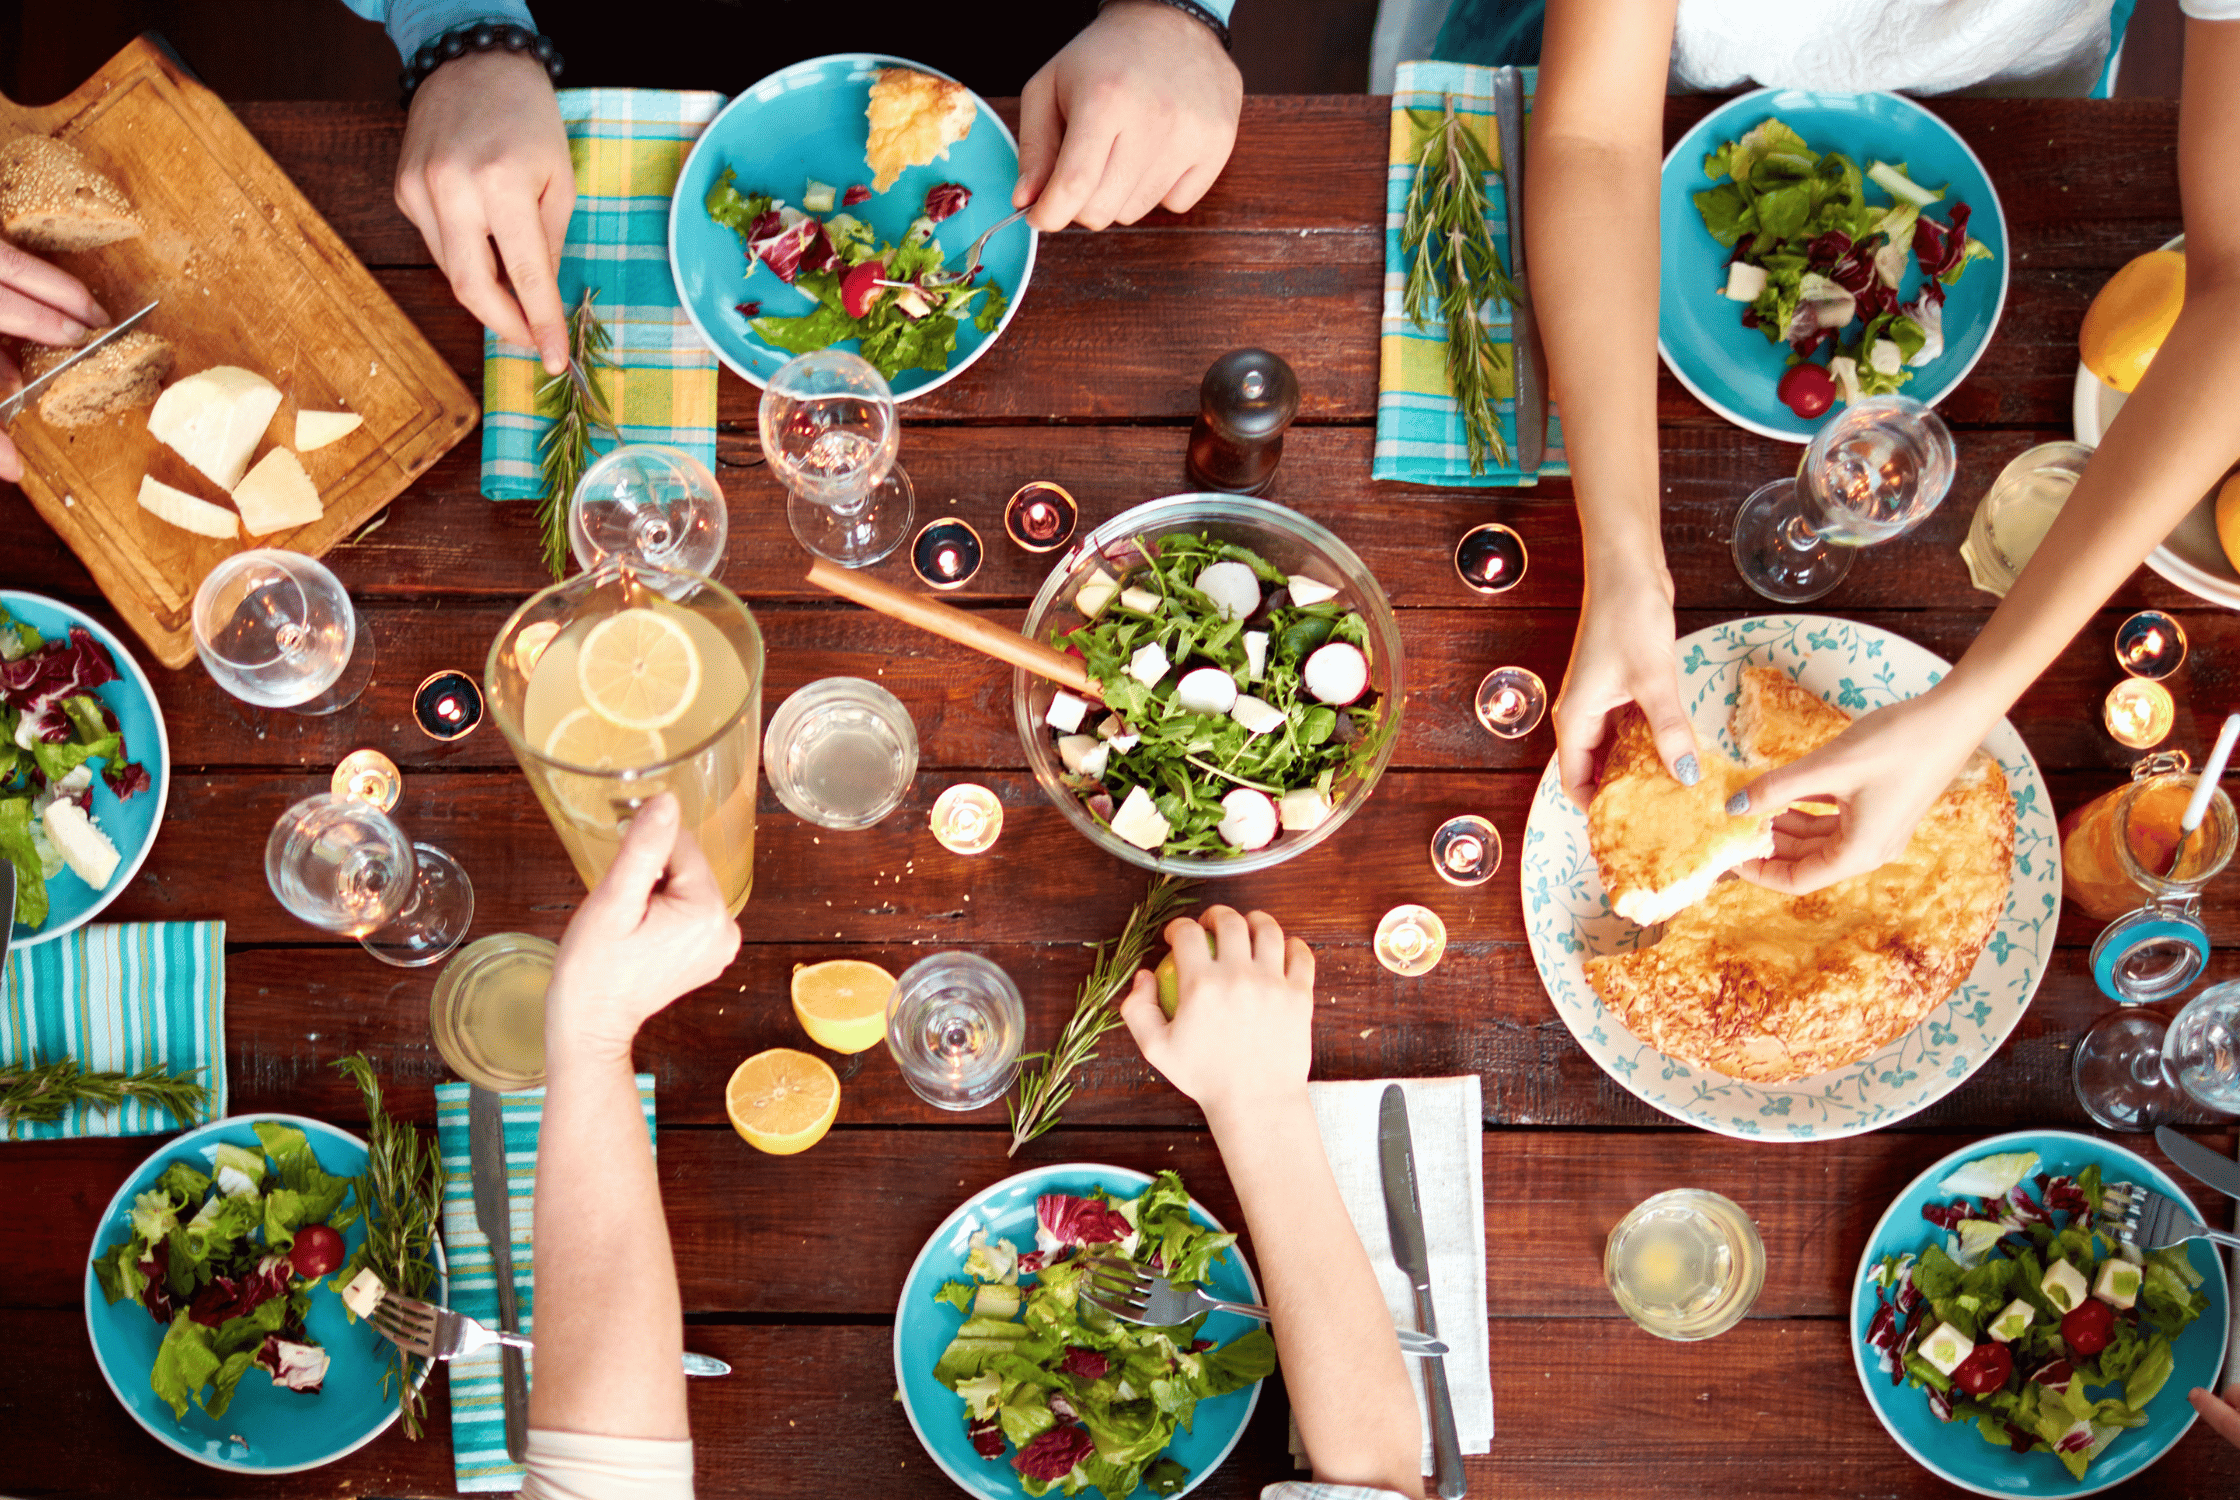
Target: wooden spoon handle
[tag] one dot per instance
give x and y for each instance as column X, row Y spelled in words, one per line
column 961, row 626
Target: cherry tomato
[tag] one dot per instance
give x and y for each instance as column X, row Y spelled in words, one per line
column 1985, row 1369
column 1807, row 389
column 2087, row 1327
column 318, row 1250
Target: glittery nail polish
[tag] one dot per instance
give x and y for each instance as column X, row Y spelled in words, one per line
column 1738, row 804
column 1687, row 770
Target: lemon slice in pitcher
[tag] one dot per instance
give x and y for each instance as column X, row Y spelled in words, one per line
column 582, row 738
column 638, row 669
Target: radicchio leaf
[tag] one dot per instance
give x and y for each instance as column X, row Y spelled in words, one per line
column 299, row 1367
column 1062, row 1219
column 1054, row 1454
column 986, row 1436
column 238, row 1296
column 1088, row 1364
column 856, row 193
column 946, row 198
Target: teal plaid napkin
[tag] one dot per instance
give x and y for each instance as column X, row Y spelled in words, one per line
column 629, row 145
column 120, row 997
column 1419, row 427
column 478, row 1422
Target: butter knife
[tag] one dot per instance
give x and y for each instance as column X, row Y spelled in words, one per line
column 1403, row 1214
column 12, row 408
column 493, row 1215
column 1531, row 361
column 7, row 912
column 2195, row 1160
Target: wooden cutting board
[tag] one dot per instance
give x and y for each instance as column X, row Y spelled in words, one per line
column 248, row 274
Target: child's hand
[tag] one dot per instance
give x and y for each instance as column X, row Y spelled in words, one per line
column 2221, row 1413
column 1242, row 1033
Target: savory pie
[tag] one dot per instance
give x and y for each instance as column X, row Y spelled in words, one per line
column 1661, row 845
column 915, row 117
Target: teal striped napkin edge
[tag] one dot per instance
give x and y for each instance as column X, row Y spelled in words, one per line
column 119, row 997
column 478, row 1426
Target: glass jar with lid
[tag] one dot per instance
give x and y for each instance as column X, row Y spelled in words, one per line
column 2126, row 857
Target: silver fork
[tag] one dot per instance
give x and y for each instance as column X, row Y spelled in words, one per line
column 971, row 267
column 2155, row 1221
column 1134, row 1295
column 434, row 1332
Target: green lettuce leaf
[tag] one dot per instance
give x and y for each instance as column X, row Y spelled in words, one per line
column 958, row 1294
column 117, row 1271
column 184, row 1363
column 228, row 1375
column 16, row 847
column 1240, row 1362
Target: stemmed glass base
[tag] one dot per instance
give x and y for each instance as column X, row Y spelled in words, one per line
column 357, row 676
column 1777, row 550
column 862, row 536
column 2118, row 1073
column 434, row 920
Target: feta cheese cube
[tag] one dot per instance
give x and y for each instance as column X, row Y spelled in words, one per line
column 1115, row 730
column 1886, row 356
column 1745, row 281
column 1149, row 664
column 1065, row 713
column 1140, row 822
column 2064, row 1286
column 2118, row 1283
column 1142, row 601
column 1084, row 755
column 1945, row 1347
column 1095, row 595
column 80, row 842
column 2015, row 1318
column 1303, row 809
column 364, row 1290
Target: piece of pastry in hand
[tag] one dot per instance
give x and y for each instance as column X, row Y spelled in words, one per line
column 915, row 117
column 1660, row 845
column 125, row 373
column 52, row 198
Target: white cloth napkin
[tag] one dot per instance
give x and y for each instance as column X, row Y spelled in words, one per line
column 1445, row 1121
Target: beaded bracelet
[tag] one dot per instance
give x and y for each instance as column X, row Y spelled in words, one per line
column 481, row 36
column 1195, row 12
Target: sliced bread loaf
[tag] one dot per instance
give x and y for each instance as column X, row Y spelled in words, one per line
column 122, row 375
column 52, row 198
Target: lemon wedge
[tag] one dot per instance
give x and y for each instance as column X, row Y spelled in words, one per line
column 638, row 669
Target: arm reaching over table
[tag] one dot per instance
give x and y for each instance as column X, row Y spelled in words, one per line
column 2222, row 1413
column 1239, row 1044
column 2168, row 447
column 39, row 304
column 608, row 1401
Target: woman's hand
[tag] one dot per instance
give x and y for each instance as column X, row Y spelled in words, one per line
column 1623, row 654
column 1243, row 1028
column 39, row 304
column 2221, row 1413
column 486, row 158
column 1137, row 112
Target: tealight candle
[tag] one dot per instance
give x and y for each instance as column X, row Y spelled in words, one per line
column 2150, row 644
column 447, row 706
column 1411, row 940
column 967, row 819
column 946, row 553
column 1040, row 517
column 1511, row 702
column 368, row 776
column 1490, row 559
column 1466, row 850
column 2139, row 714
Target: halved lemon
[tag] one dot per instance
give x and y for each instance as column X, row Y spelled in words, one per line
column 639, row 669
column 782, row 1101
column 842, row 1003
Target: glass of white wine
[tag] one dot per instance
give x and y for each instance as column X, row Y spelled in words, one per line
column 829, row 431
column 344, row 865
column 276, row 629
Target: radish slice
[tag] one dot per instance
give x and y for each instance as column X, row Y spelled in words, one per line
column 1338, row 673
column 1149, row 664
column 1305, row 590
column 1257, row 716
column 1304, row 809
column 1208, row 690
column 1251, row 819
column 1231, row 588
column 1256, row 654
column 1065, row 713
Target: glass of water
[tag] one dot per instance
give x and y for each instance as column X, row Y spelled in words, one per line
column 1685, row 1265
column 1873, row 472
column 830, row 433
column 276, row 629
column 2134, row 1071
column 345, row 866
column 653, row 504
column 841, row 753
column 955, row 1024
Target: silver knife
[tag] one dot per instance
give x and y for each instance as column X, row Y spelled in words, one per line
column 2199, row 1162
column 1531, row 361
column 12, row 408
column 7, row 912
column 493, row 1215
column 1404, row 1217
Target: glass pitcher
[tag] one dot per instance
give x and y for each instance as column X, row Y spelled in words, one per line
column 2127, row 845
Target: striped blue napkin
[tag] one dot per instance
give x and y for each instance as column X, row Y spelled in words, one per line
column 629, row 145
column 120, row 997
column 1419, row 428
column 478, row 1424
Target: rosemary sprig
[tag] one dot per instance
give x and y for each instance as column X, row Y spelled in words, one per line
column 1455, row 264
column 402, row 1195
column 36, row 1093
column 1042, row 1091
column 575, row 405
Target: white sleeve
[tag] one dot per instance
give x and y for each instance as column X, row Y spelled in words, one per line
column 1295, row 1489
column 2211, row 10
column 589, row 1466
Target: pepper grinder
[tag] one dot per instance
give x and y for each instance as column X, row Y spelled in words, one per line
column 1247, row 399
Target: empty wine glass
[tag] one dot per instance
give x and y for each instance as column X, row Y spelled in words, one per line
column 276, row 629
column 830, row 434
column 2134, row 1071
column 1872, row 473
column 344, row 865
column 650, row 503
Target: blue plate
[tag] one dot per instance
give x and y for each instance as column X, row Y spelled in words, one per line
column 808, row 121
column 924, row 1327
column 1732, row 369
column 130, row 822
column 1955, row 1451
column 267, row 1430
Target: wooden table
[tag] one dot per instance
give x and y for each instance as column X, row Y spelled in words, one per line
column 790, row 1265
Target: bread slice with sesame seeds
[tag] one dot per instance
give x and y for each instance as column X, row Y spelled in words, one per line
column 52, row 198
column 127, row 373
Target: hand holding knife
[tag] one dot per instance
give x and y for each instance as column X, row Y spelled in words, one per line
column 12, row 408
column 1404, row 1218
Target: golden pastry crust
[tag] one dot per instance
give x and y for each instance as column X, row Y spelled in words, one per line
column 1660, row 845
column 915, row 117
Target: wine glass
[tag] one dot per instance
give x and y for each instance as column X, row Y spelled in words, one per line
column 653, row 504
column 1872, row 473
column 344, row 865
column 2135, row 1071
column 277, row 629
column 830, row 434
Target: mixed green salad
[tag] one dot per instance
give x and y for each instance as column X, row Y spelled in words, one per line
column 1237, row 695
column 54, row 735
column 908, row 325
column 2026, row 1307
column 1820, row 267
column 227, row 1260
column 1088, row 1401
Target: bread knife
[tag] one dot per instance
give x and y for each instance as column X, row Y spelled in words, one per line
column 12, row 408
column 1524, row 328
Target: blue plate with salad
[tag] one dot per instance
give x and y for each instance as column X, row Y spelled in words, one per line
column 1016, row 1386
column 1820, row 248
column 213, row 1297
column 2006, row 1340
column 85, row 765
column 778, row 240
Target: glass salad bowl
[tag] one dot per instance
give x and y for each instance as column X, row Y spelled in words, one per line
column 1294, row 545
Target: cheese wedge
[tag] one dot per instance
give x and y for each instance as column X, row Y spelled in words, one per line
column 82, row 844
column 277, row 495
column 215, row 419
column 316, row 429
column 185, row 511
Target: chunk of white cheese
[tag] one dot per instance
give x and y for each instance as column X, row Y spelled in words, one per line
column 1303, row 809
column 235, row 1183
column 1115, row 729
column 1945, row 1347
column 1096, row 594
column 365, row 1289
column 1745, row 281
column 215, row 419
column 2064, row 1286
column 1257, row 715
column 1140, row 822
column 2118, row 1282
column 185, row 511
column 1142, row 601
column 80, row 841
column 1886, row 356
column 277, row 495
column 316, row 429
column 1305, row 590
column 2013, row 1321
column 1083, row 754
column 1149, row 664
column 1065, row 712
column 1256, row 654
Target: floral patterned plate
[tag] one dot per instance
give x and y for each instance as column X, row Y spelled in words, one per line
column 1568, row 918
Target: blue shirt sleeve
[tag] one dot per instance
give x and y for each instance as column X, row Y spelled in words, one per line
column 1221, row 8
column 415, row 23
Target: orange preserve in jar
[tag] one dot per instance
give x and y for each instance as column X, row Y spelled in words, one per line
column 2093, row 872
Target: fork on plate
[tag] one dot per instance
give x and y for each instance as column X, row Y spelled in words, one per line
column 2148, row 1220
column 434, row 1332
column 940, row 280
column 1133, row 1294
